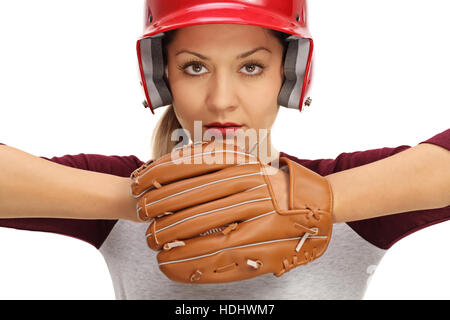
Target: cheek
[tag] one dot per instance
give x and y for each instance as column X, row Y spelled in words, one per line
column 264, row 116
column 185, row 91
column 263, row 107
column 185, row 115
column 187, row 101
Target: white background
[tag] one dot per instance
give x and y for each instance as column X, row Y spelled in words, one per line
column 68, row 83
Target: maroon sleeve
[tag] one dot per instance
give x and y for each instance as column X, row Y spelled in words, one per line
column 90, row 231
column 441, row 139
column 384, row 231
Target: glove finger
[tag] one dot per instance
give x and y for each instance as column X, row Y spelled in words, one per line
column 194, row 221
column 259, row 246
column 224, row 266
column 193, row 191
column 187, row 162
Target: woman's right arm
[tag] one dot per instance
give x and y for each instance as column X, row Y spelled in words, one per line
column 34, row 187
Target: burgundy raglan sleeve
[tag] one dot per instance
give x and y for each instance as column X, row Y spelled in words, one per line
column 91, row 231
column 384, row 231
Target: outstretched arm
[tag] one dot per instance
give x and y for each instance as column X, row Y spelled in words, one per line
column 415, row 179
column 34, row 187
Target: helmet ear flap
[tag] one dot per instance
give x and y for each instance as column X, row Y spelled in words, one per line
column 153, row 71
column 297, row 72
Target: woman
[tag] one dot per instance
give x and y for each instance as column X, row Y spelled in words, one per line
column 222, row 100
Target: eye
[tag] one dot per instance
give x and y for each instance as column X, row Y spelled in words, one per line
column 253, row 69
column 194, row 66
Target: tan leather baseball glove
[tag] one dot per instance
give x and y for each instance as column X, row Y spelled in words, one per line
column 217, row 214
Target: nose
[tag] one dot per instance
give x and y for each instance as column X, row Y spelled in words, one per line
column 222, row 95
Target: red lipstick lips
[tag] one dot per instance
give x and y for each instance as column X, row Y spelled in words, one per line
column 223, row 128
column 226, row 124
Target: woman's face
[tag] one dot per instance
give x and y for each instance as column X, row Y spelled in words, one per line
column 217, row 75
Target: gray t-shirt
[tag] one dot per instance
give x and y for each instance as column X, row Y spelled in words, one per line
column 340, row 273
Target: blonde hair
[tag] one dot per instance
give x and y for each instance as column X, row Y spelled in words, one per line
column 162, row 133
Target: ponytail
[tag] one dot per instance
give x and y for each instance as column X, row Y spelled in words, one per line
column 162, row 134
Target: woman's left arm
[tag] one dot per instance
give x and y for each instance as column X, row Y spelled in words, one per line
column 415, row 179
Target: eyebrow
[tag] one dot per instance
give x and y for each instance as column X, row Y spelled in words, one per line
column 241, row 56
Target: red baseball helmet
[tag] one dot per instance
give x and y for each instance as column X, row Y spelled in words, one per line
column 288, row 16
